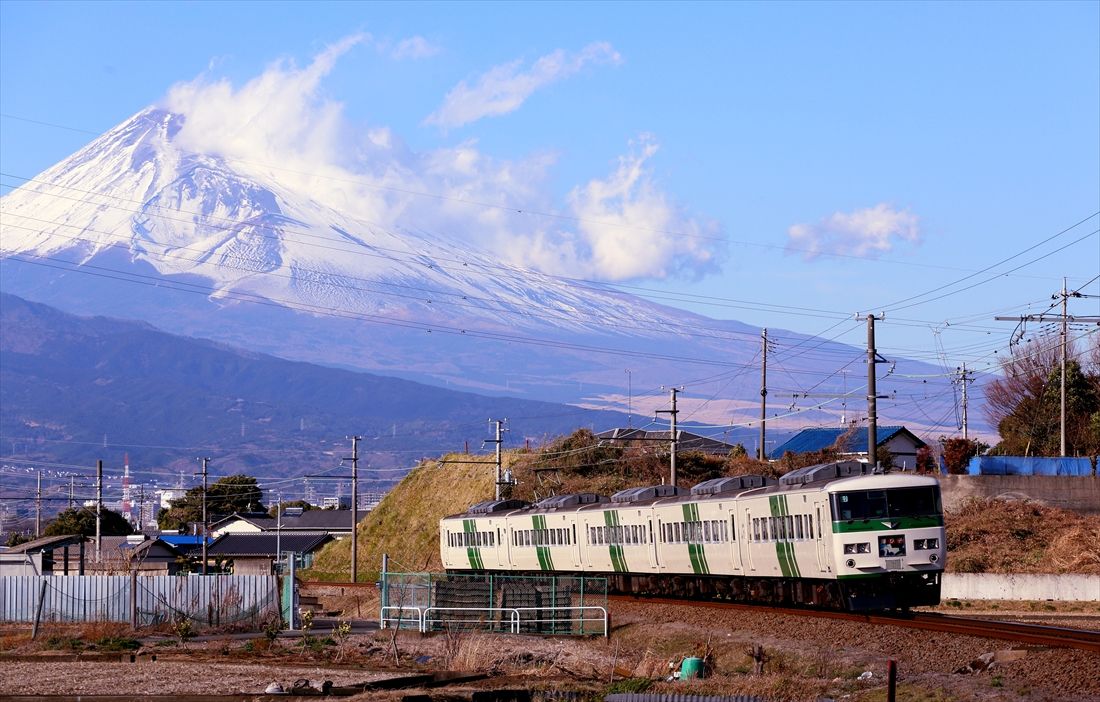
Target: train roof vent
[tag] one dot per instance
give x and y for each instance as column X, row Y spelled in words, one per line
column 736, row 483
column 490, row 506
column 583, row 498
column 641, row 494
column 824, row 471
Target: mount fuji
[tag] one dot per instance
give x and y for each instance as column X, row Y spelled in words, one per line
column 135, row 226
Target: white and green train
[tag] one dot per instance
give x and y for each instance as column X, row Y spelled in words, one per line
column 835, row 535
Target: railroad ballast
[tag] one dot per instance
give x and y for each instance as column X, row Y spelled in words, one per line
column 838, row 535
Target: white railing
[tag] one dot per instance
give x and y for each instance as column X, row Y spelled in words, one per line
column 383, row 619
column 516, row 618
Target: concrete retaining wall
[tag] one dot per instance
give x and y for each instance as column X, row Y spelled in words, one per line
column 1080, row 494
column 986, row 586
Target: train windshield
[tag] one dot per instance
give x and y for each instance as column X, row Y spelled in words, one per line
column 887, row 504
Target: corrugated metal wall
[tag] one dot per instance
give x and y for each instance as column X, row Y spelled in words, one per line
column 213, row 600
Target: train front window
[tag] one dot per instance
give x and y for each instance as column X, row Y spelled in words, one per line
column 887, row 504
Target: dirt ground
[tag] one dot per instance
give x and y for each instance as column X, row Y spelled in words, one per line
column 807, row 659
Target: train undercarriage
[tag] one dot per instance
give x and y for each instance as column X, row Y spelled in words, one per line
column 881, row 592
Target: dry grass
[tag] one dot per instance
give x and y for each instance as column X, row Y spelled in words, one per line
column 1012, row 536
column 406, row 523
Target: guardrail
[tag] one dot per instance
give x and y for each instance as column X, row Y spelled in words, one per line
column 425, row 621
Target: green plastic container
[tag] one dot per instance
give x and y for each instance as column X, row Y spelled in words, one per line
column 691, row 668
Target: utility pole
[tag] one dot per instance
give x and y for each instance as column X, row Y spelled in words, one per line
column 355, row 507
column 38, row 508
column 1064, row 319
column 499, row 441
column 205, row 526
column 672, row 433
column 872, row 391
column 72, row 484
column 763, row 391
column 98, row 508
column 141, row 506
column 964, row 378
column 279, row 528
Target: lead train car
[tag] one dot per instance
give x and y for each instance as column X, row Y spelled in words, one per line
column 834, row 535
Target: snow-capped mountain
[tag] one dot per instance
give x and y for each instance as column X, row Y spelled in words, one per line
column 185, row 213
column 135, row 226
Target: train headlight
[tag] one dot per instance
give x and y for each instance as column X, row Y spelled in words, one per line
column 925, row 544
column 933, row 558
column 857, row 548
column 851, row 563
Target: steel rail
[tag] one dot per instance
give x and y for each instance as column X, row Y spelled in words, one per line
column 1035, row 634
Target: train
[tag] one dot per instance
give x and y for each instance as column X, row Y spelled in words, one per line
column 840, row 535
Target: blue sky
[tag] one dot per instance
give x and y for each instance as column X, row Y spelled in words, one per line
column 827, row 158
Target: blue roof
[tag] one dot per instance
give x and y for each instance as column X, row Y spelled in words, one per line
column 816, row 439
column 181, row 539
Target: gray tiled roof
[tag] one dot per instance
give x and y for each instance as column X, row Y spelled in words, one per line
column 264, row 544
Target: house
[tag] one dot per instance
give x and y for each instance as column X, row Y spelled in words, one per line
column 137, row 552
column 40, row 556
column 899, row 441
column 255, row 554
column 685, row 440
column 242, row 523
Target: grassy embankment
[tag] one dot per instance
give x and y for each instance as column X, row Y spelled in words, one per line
column 406, row 523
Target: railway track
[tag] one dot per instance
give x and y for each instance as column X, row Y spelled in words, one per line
column 1032, row 634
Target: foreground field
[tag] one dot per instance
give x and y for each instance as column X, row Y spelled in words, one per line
column 806, row 660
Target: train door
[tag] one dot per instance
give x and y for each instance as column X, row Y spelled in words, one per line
column 654, row 537
column 819, row 539
column 746, row 541
column 576, row 535
column 734, row 547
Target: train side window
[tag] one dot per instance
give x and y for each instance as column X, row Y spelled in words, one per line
column 810, row 526
column 755, row 529
column 732, row 529
column 800, row 534
column 706, row 532
column 790, row 526
column 764, row 531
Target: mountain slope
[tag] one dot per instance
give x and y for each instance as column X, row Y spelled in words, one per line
column 69, row 383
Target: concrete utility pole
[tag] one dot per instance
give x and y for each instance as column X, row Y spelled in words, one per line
column 205, row 525
column 72, row 484
column 98, row 508
column 355, row 507
column 672, row 433
column 279, row 526
column 762, row 454
column 1064, row 319
column 141, row 507
column 964, row 378
column 872, row 391
column 499, row 461
column 38, row 508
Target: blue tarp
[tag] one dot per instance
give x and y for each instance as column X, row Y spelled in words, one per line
column 1028, row 465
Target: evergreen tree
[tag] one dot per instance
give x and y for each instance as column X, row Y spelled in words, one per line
column 82, row 521
column 235, row 493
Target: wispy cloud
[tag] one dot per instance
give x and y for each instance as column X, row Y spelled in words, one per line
column 868, row 232
column 416, row 47
column 280, row 124
column 502, row 89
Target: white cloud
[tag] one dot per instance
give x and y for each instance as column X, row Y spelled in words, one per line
column 280, row 125
column 868, row 232
column 502, row 89
column 416, row 47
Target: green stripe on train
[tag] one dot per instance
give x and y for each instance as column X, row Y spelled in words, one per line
column 696, row 553
column 784, row 550
column 472, row 552
column 888, row 524
column 546, row 561
column 615, row 551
